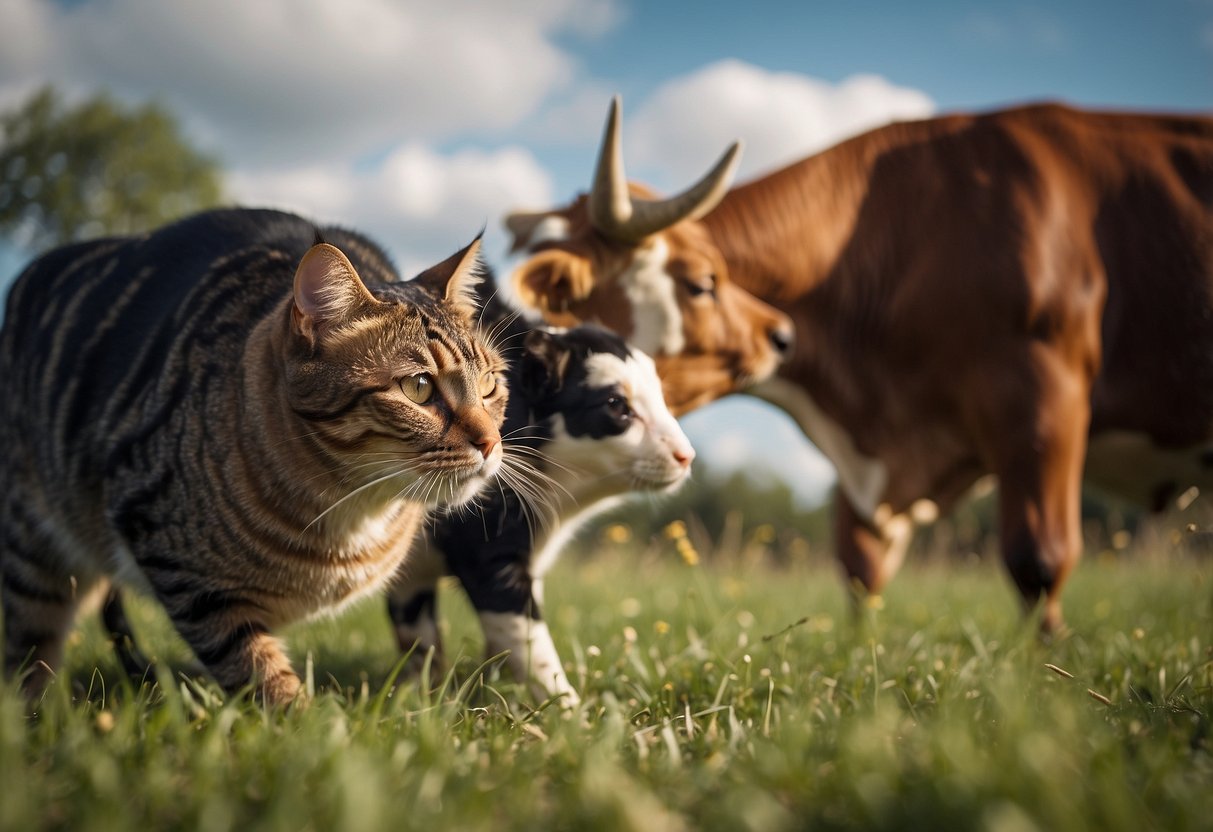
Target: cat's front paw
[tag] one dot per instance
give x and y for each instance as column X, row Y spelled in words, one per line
column 282, row 689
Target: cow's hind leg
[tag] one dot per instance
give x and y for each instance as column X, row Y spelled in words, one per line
column 863, row 552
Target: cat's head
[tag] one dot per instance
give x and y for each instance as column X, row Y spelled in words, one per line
column 391, row 379
column 608, row 416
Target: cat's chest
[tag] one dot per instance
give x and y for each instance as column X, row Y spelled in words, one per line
column 361, row 563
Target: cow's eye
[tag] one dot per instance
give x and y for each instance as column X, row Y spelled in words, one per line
column 702, row 285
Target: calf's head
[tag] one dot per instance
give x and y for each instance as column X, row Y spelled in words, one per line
column 649, row 270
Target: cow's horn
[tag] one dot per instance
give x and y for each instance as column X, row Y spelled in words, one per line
column 612, row 209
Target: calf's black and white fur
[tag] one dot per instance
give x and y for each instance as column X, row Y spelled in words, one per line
column 592, row 414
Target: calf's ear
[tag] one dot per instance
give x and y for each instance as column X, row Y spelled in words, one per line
column 545, row 362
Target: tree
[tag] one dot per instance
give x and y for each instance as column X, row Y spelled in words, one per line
column 96, row 168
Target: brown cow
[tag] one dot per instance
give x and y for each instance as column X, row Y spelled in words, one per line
column 1016, row 293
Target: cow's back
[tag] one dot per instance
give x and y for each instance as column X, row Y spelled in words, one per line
column 1087, row 229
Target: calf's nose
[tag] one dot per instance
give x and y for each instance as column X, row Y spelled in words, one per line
column 684, row 455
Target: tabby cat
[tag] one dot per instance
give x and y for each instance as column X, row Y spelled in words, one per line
column 244, row 421
column 587, row 412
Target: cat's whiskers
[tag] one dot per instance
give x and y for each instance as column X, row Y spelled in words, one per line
column 537, row 436
column 529, row 503
column 294, row 438
column 490, row 337
column 536, row 491
column 428, row 488
column 397, row 472
column 515, row 446
column 544, row 458
column 349, row 470
column 510, row 456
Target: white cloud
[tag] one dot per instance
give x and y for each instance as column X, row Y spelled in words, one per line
column 685, row 125
column 333, row 110
column 279, row 80
column 418, row 203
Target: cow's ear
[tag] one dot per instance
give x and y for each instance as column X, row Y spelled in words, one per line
column 551, row 281
column 522, row 225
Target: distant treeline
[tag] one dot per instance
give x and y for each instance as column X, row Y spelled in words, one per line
column 739, row 516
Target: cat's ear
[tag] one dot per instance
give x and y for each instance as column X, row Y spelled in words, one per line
column 544, row 364
column 327, row 290
column 455, row 279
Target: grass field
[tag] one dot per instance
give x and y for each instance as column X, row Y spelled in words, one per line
column 723, row 697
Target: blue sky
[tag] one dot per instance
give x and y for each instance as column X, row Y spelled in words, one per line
column 420, row 122
column 963, row 55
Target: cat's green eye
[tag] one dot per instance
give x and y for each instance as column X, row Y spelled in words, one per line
column 488, row 383
column 419, row 388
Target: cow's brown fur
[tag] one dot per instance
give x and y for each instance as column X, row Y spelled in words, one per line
column 977, row 294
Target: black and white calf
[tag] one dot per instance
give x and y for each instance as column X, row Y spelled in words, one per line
column 587, row 412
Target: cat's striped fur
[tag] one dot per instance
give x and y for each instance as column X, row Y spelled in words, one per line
column 246, row 423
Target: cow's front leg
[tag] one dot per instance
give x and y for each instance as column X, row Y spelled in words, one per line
column 506, row 598
column 1038, row 454
column 532, row 653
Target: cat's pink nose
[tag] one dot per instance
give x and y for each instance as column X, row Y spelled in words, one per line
column 486, row 444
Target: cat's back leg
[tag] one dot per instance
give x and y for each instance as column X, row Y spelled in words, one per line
column 122, row 636
column 40, row 591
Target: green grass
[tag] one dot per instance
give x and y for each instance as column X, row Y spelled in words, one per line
column 733, row 697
